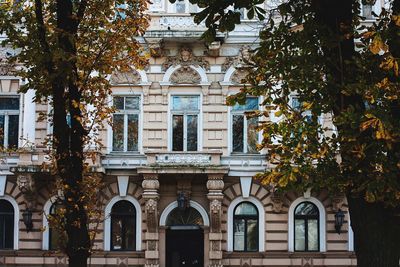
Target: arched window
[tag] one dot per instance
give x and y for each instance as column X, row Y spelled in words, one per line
column 6, row 225
column 123, row 226
column 189, row 216
column 245, row 227
column 306, row 227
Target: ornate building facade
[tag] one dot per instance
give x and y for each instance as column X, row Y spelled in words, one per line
column 177, row 165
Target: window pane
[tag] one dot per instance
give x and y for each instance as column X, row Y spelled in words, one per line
column 130, row 229
column 6, row 225
column 2, row 130
column 116, row 238
column 313, row 235
column 118, row 132
column 119, row 103
column 132, row 103
column 133, row 126
column 177, row 133
column 251, row 103
column 306, row 208
column 299, row 235
column 296, row 104
column 9, row 103
column 252, row 235
column 237, row 133
column 54, row 239
column 191, row 133
column 13, row 121
column 185, row 103
column 252, row 135
column 238, row 232
column 246, row 208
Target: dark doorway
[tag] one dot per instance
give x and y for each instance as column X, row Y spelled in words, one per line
column 184, row 247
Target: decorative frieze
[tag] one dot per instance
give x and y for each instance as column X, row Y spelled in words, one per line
column 185, row 75
column 185, row 58
column 132, row 77
column 193, row 159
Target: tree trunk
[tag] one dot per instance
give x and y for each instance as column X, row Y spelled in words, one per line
column 376, row 233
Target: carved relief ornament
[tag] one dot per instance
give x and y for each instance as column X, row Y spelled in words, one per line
column 242, row 59
column 185, row 58
column 185, row 75
column 131, row 77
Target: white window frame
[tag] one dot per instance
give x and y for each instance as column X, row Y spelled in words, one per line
column 261, row 221
column 376, row 8
column 46, row 232
column 126, row 113
column 16, row 219
column 231, row 113
column 193, row 204
column 107, row 221
column 6, row 113
column 322, row 223
column 185, row 113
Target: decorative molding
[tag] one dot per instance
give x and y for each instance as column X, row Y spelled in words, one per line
column 245, row 185
column 185, row 75
column 123, row 183
column 185, row 58
column 242, row 59
column 193, row 204
column 196, row 159
column 131, row 77
column 337, row 202
column 6, row 68
column 238, row 76
column 277, row 202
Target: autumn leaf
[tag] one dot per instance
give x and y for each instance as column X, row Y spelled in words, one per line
column 377, row 45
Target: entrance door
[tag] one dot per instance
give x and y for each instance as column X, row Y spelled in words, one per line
column 184, row 248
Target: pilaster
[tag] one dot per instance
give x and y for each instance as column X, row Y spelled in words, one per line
column 150, row 186
column 215, row 185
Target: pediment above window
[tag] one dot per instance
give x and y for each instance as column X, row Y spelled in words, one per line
column 131, row 77
column 185, row 75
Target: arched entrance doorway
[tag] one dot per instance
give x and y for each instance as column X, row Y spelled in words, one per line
column 184, row 238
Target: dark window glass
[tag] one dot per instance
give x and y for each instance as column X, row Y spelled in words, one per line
column 306, row 227
column 13, row 122
column 9, row 103
column 6, row 225
column 245, row 227
column 54, row 235
column 252, row 135
column 2, row 132
column 177, row 133
column 123, row 226
column 118, row 132
column 133, row 130
column 9, row 121
column 126, row 123
column 237, row 133
column 185, row 102
column 244, row 129
column 191, row 133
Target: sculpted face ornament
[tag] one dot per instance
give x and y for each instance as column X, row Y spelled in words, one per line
column 186, row 54
column 24, row 183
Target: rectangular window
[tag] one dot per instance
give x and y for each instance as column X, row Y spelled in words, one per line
column 244, row 133
column 9, row 121
column 125, row 127
column 185, row 120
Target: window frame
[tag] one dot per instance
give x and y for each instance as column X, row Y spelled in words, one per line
column 322, row 223
column 138, row 112
column 261, row 221
column 246, row 218
column 124, row 216
column 107, row 222
column 245, row 127
column 16, row 220
column 7, row 113
column 305, row 219
column 172, row 8
column 3, row 217
column 184, row 113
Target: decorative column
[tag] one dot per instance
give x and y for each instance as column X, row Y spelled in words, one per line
column 150, row 186
column 215, row 185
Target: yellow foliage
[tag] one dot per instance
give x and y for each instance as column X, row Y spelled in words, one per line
column 377, row 45
column 396, row 19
